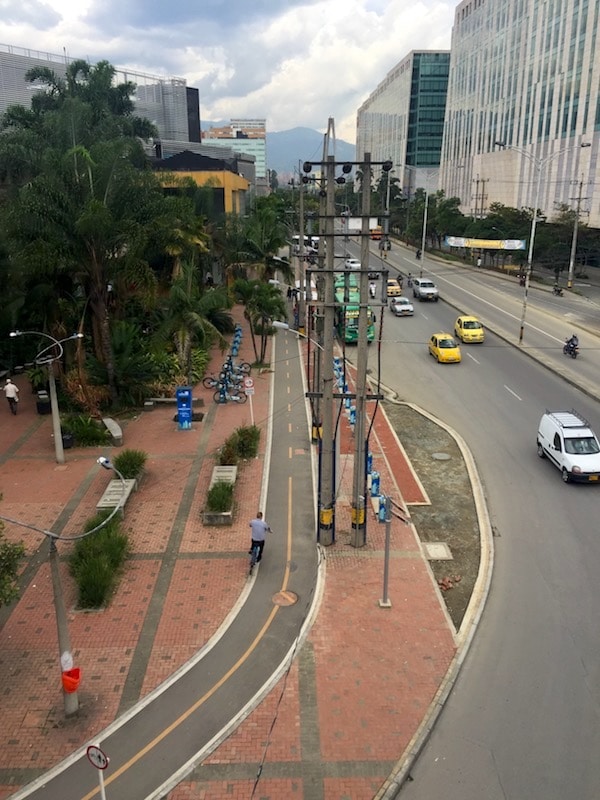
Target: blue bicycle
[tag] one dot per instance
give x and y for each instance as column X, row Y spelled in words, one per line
column 254, row 553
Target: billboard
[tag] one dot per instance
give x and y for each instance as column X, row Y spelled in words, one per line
column 485, row 244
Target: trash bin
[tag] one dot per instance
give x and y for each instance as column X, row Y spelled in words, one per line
column 43, row 403
column 71, row 678
column 67, row 440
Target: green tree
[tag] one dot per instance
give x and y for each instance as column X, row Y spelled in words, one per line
column 262, row 303
column 10, row 558
column 265, row 235
column 193, row 316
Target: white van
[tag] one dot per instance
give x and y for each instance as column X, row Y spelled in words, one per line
column 566, row 438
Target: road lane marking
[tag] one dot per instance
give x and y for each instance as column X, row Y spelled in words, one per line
column 473, row 357
column 224, row 678
column 508, row 389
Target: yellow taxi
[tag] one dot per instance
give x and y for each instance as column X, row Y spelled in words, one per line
column 393, row 288
column 469, row 329
column 444, row 348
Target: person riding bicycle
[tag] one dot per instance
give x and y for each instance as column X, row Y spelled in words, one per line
column 259, row 529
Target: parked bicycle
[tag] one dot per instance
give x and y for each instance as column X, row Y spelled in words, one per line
column 214, row 381
column 242, row 367
column 225, row 394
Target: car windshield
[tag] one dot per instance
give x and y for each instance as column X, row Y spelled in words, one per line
column 584, row 446
column 427, row 285
column 447, row 343
column 471, row 323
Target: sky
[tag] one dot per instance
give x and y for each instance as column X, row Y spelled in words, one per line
column 292, row 62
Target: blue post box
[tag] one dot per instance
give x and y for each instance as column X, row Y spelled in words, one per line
column 375, row 482
column 183, row 395
column 369, row 463
column 352, row 415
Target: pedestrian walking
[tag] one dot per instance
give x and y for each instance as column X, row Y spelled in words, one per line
column 12, row 395
column 259, row 529
column 479, row 263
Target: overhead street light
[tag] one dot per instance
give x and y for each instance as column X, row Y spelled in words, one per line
column 47, row 356
column 70, row 699
column 539, row 164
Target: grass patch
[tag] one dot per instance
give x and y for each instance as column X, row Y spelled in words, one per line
column 97, row 560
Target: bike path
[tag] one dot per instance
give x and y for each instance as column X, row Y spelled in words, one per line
column 175, row 729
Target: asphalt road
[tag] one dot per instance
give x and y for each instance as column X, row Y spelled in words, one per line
column 523, row 720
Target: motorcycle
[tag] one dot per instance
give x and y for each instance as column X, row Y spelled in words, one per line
column 557, row 291
column 571, row 348
column 418, row 255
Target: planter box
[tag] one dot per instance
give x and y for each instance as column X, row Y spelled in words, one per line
column 217, row 517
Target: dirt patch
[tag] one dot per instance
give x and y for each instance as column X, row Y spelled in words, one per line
column 451, row 515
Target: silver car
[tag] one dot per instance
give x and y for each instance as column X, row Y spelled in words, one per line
column 401, row 307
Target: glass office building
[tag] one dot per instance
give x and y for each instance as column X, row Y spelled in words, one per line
column 522, row 74
column 403, row 119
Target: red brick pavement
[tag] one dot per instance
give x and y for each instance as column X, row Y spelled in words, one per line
column 372, row 672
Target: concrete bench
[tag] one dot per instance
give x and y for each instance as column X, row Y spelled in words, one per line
column 116, row 494
column 171, row 401
column 226, row 474
column 114, row 429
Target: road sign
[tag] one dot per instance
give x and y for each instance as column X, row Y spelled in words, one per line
column 248, row 383
column 97, row 757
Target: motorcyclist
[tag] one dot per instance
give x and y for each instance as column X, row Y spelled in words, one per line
column 573, row 342
column 418, row 254
column 409, row 281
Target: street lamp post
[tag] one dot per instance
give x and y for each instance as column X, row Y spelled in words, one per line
column 70, row 699
column 539, row 164
column 45, row 357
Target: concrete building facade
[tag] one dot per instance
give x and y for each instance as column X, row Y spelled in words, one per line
column 247, row 136
column 522, row 73
column 403, row 119
column 164, row 101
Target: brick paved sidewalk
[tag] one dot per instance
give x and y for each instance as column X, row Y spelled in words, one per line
column 180, row 583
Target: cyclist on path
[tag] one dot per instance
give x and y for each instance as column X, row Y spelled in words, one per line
column 259, row 530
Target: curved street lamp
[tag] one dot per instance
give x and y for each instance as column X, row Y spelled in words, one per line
column 70, row 699
column 47, row 357
column 539, row 164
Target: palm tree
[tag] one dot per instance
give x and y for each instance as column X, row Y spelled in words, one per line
column 262, row 303
column 193, row 316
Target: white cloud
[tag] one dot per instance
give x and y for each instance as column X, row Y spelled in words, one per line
column 294, row 62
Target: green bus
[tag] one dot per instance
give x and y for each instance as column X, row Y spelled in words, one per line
column 347, row 299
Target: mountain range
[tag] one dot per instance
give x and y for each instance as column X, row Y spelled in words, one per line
column 287, row 149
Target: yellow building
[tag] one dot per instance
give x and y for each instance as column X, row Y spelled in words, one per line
column 230, row 190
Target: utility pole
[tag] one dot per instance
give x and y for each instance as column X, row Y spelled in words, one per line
column 359, row 531
column 327, row 510
column 574, row 239
column 302, row 264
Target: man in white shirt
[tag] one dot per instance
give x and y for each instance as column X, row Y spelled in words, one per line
column 12, row 395
column 259, row 529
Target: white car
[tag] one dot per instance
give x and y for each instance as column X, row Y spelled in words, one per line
column 352, row 263
column 401, row 307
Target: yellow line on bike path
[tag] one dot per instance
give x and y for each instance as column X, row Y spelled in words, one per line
column 244, row 657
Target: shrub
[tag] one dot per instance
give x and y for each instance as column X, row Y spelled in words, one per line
column 97, row 561
column 247, row 441
column 228, row 454
column 86, row 430
column 220, row 497
column 130, row 463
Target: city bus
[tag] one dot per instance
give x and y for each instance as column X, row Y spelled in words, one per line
column 347, row 298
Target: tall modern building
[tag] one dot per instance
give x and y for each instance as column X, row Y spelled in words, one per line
column 403, row 119
column 522, row 73
column 164, row 101
column 247, row 136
